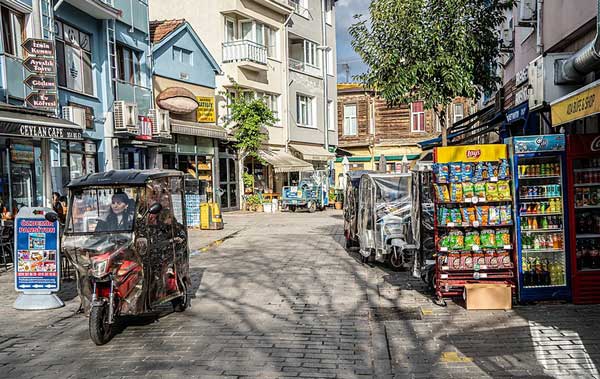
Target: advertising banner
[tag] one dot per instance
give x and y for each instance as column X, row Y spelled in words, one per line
column 206, row 109
column 36, row 252
column 471, row 153
column 539, row 144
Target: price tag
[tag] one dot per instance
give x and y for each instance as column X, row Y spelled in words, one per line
column 493, row 178
column 482, row 199
column 451, row 225
column 507, row 247
column 443, row 249
column 483, row 267
column 475, row 248
column 475, row 200
column 483, row 275
column 465, row 224
column 445, row 268
column 444, row 276
column 468, row 199
column 476, row 224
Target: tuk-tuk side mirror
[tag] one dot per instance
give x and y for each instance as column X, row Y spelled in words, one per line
column 155, row 209
column 51, row 216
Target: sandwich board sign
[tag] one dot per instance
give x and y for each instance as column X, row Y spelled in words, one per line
column 37, row 260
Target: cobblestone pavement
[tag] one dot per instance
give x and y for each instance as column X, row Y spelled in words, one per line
column 278, row 296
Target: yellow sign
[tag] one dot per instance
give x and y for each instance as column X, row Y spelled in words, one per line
column 584, row 104
column 471, row 153
column 206, row 109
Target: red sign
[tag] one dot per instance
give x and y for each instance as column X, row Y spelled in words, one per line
column 144, row 128
column 473, row 154
column 582, row 144
column 596, row 144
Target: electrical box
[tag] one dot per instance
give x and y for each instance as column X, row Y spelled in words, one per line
column 542, row 77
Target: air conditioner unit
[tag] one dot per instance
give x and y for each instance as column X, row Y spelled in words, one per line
column 125, row 117
column 507, row 35
column 74, row 114
column 527, row 12
column 161, row 122
column 542, row 77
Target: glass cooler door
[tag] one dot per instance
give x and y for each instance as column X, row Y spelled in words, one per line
column 586, row 177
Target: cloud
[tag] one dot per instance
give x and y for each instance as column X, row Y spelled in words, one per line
column 345, row 11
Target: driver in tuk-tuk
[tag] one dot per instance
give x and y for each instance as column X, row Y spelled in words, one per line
column 120, row 217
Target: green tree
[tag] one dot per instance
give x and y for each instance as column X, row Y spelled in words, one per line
column 430, row 50
column 249, row 117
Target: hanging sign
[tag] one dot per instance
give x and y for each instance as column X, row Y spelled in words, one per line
column 40, row 82
column 42, row 64
column 144, row 128
column 206, row 109
column 37, row 261
column 42, row 100
column 39, row 65
column 537, row 144
column 575, row 107
column 39, row 47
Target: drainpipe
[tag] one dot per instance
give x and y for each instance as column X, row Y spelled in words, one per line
column 586, row 60
column 324, row 63
column 539, row 34
column 286, row 77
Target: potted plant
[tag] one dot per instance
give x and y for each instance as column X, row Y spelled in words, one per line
column 248, row 180
column 254, row 203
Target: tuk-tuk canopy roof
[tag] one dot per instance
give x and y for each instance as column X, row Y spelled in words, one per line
column 121, row 177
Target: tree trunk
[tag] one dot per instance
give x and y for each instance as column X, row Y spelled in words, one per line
column 442, row 115
column 240, row 175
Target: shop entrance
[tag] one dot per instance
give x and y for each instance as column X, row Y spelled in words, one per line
column 228, row 179
column 22, row 180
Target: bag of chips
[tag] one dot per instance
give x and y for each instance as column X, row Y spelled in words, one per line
column 478, row 175
column 445, row 241
column 468, row 190
column 441, row 191
column 456, row 193
column 479, row 188
column 455, row 216
column 504, row 170
column 494, row 216
column 488, row 238
column 505, row 215
column 482, row 214
column 472, row 239
column 492, row 169
column 455, row 172
column 502, row 238
column 503, row 190
column 441, row 172
column 491, row 191
column 457, row 240
column 467, row 172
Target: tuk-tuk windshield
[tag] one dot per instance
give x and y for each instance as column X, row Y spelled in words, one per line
column 102, row 210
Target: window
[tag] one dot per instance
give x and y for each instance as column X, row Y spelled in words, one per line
column 328, row 11
column 458, row 112
column 300, row 7
column 89, row 114
column 256, row 32
column 74, row 58
column 330, row 62
column 310, row 53
column 128, row 64
column 417, row 117
column 229, row 30
column 331, row 119
column 272, row 101
column 271, row 38
column 12, row 31
column 350, row 122
column 304, row 110
column 183, row 56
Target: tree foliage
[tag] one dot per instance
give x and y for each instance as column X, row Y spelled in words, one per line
column 429, row 50
column 249, row 117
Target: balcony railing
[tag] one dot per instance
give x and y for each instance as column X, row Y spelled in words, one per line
column 132, row 93
column 301, row 66
column 243, row 50
column 15, row 74
column 299, row 9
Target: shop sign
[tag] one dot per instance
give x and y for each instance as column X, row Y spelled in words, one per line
column 21, row 153
column 471, row 153
column 206, row 109
column 40, row 82
column 37, row 261
column 522, row 76
column 144, row 128
column 39, row 131
column 42, row 100
column 39, row 47
column 576, row 107
column 39, row 65
column 517, row 113
column 90, row 147
column 522, row 95
column 538, row 144
column 584, row 144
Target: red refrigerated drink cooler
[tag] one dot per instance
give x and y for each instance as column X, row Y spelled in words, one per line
column 583, row 167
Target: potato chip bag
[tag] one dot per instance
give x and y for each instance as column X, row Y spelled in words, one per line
column 441, row 191
column 456, row 193
column 455, row 172
column 502, row 238
column 482, row 214
column 494, row 216
column 505, row 215
column 468, row 190
column 457, row 240
column 455, row 216
column 488, row 238
column 491, row 169
column 491, row 191
column 503, row 190
column 467, row 172
column 441, row 172
column 504, row 170
column 471, row 213
column 472, row 239
column 479, row 189
column 478, row 174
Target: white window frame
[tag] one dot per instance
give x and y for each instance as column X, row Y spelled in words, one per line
column 329, row 12
column 331, row 119
column 351, row 121
column 227, row 37
column 307, row 102
column 329, row 62
column 272, row 101
column 455, row 115
column 272, row 42
column 178, row 55
column 17, row 38
column 311, row 55
column 418, row 128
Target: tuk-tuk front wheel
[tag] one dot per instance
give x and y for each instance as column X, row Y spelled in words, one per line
column 182, row 303
column 396, row 258
column 100, row 330
column 312, row 206
column 292, row 208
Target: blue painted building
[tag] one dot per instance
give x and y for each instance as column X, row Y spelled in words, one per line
column 184, row 86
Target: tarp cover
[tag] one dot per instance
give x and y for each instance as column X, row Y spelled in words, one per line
column 313, row 153
column 285, row 162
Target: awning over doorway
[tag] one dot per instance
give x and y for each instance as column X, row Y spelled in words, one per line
column 197, row 129
column 576, row 105
column 313, row 152
column 284, row 162
column 18, row 122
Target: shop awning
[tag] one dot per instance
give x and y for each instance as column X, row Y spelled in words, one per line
column 576, row 105
column 312, row 152
column 285, row 162
column 388, row 158
column 19, row 122
column 197, row 129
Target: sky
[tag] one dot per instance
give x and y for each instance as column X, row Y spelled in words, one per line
column 345, row 11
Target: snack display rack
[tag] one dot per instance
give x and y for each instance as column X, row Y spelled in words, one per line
column 583, row 159
column 541, row 226
column 473, row 217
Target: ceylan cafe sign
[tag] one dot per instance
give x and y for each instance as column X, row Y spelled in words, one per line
column 39, row 131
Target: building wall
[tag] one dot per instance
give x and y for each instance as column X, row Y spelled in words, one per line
column 562, row 18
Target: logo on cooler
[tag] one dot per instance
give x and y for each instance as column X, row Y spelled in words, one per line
column 541, row 142
column 473, row 154
column 596, row 144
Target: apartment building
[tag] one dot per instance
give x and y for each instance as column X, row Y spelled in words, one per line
column 67, row 68
column 274, row 49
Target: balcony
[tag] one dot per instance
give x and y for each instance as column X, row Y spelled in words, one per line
column 299, row 9
column 298, row 65
column 15, row 74
column 132, row 93
column 99, row 9
column 247, row 54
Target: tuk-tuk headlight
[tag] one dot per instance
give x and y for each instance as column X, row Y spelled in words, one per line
column 99, row 268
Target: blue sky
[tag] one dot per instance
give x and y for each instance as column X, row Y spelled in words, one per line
column 345, row 11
